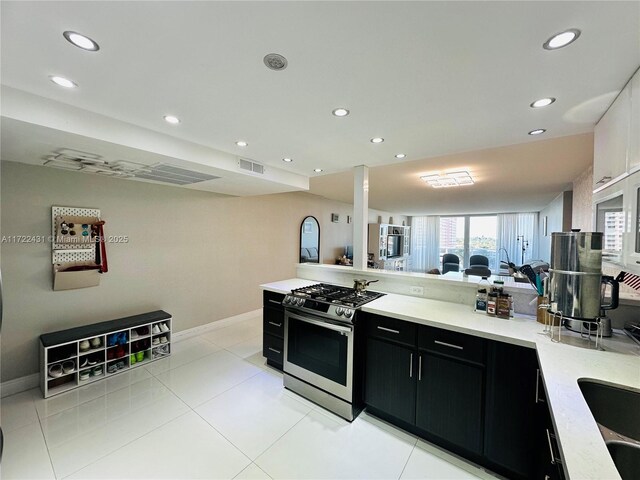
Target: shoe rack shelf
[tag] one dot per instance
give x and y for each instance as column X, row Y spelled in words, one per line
column 78, row 356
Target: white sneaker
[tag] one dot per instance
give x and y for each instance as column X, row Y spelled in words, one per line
column 55, row 370
column 68, row 366
column 134, row 335
column 155, row 330
column 155, row 341
column 163, row 339
column 163, row 327
column 85, row 345
column 96, row 342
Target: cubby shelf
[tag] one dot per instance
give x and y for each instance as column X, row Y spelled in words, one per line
column 64, row 346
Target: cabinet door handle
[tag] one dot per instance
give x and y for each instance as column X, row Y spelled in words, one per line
column 397, row 332
column 638, row 261
column 275, row 301
column 450, row 345
column 538, row 399
column 275, row 351
column 553, row 458
column 411, row 366
column 419, row 367
column 275, row 324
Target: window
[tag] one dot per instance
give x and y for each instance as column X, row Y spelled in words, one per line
column 483, row 238
column 469, row 235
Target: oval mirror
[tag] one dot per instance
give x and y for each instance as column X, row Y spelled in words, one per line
column 310, row 241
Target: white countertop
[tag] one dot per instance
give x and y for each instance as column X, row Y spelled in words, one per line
column 583, row 450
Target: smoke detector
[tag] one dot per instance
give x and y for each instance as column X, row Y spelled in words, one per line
column 275, row 61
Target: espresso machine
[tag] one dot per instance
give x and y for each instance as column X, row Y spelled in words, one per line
column 576, row 287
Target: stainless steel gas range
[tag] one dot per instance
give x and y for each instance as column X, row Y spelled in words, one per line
column 323, row 351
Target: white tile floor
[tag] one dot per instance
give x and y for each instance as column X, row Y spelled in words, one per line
column 211, row 410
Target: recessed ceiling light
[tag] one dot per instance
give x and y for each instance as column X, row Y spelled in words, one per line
column 340, row 112
column 543, row 102
column 400, row 155
column 377, row 140
column 171, row 119
column 81, row 41
column 288, row 160
column 63, row 82
column 537, row 131
column 562, row 39
column 317, row 170
column 241, row 143
column 450, row 179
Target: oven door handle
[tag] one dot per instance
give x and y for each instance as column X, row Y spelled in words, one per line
column 319, row 323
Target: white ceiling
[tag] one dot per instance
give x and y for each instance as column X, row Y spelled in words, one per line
column 432, row 78
column 516, row 178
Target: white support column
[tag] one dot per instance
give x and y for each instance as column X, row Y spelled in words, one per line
column 360, row 216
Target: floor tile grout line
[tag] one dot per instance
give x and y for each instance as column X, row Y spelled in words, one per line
column 46, row 445
column 131, row 411
column 230, row 388
column 126, row 444
column 407, row 462
column 90, row 400
column 253, row 464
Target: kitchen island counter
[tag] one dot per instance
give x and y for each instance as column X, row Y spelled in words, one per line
column 584, row 453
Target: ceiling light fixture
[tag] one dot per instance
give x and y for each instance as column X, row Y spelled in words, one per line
column 275, row 61
column 63, row 82
column 561, row 39
column 377, row 140
column 81, row 41
column 171, row 119
column 317, row 170
column 537, row 131
column 543, row 102
column 400, row 155
column 241, row 143
column 449, row 179
column 288, row 160
column 340, row 112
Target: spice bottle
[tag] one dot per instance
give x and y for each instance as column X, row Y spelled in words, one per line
column 481, row 297
column 491, row 303
column 502, row 306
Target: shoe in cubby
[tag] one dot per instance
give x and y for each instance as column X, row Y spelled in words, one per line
column 156, row 329
column 84, row 375
column 164, row 328
column 84, row 346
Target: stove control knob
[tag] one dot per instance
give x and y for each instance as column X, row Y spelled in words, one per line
column 339, row 311
column 300, row 302
column 348, row 313
column 288, row 299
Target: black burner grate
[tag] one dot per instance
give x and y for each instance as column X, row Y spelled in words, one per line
column 336, row 294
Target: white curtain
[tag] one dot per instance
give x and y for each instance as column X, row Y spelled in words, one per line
column 425, row 243
column 512, row 227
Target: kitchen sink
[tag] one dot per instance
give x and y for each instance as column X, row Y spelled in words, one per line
column 617, row 412
column 627, row 459
column 613, row 407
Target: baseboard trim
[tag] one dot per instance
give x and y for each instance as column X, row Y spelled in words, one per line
column 17, row 385
column 21, row 384
column 225, row 322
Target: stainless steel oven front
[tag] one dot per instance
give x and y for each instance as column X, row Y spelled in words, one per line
column 319, row 351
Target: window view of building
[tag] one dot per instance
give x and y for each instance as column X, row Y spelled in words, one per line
column 613, row 230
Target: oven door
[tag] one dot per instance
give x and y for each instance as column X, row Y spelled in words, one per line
column 319, row 352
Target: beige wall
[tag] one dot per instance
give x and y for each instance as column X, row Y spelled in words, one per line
column 582, row 198
column 194, row 254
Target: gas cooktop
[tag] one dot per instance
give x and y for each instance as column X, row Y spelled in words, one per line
column 334, row 294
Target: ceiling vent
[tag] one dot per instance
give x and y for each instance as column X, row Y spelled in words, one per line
column 174, row 175
column 89, row 163
column 251, row 166
column 275, row 61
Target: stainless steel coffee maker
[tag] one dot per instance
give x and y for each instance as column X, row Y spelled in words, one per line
column 576, row 286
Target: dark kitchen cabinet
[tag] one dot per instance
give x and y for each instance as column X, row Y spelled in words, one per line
column 450, row 400
column 390, row 379
column 273, row 328
column 511, row 437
